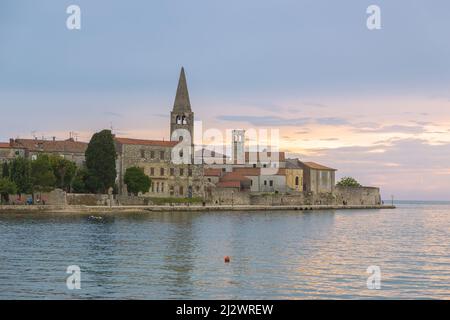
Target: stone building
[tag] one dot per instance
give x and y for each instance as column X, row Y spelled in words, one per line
column 30, row 148
column 169, row 178
column 294, row 175
column 8, row 152
column 317, row 178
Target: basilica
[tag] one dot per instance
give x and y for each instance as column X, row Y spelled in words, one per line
column 240, row 171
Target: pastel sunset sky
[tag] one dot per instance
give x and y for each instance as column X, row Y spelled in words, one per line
column 373, row 104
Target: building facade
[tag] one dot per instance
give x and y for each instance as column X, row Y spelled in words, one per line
column 31, row 148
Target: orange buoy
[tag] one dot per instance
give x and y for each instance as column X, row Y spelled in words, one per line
column 226, row 259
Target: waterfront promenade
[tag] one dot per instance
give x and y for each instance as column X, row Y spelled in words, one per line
column 181, row 208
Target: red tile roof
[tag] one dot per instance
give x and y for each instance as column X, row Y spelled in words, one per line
column 229, row 184
column 157, row 143
column 248, row 171
column 233, row 176
column 210, row 172
column 4, row 145
column 317, row 166
column 69, row 145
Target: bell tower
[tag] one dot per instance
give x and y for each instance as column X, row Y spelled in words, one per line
column 182, row 116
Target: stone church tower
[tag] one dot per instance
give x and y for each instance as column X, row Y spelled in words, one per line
column 182, row 116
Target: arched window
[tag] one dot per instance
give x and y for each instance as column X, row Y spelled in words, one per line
column 296, row 181
column 184, row 120
column 178, row 120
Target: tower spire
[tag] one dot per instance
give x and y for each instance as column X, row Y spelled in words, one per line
column 182, row 102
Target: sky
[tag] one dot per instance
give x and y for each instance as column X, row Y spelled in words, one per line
column 375, row 104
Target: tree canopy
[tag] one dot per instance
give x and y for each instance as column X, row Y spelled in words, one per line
column 42, row 176
column 64, row 171
column 101, row 162
column 20, row 174
column 136, row 180
column 7, row 187
column 348, row 182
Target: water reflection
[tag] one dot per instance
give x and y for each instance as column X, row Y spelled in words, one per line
column 274, row 255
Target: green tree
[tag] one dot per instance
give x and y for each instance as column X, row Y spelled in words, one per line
column 20, row 174
column 64, row 171
column 348, row 182
column 7, row 187
column 79, row 181
column 5, row 170
column 136, row 180
column 42, row 176
column 101, row 162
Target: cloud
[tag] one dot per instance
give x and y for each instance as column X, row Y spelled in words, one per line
column 392, row 129
column 315, row 104
column 273, row 121
column 406, row 168
column 113, row 114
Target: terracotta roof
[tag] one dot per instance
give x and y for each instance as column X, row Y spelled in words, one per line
column 69, row 145
column 293, row 164
column 317, row 166
column 248, row 171
column 157, row 143
column 210, row 172
column 4, row 145
column 233, row 176
column 265, row 155
column 229, row 184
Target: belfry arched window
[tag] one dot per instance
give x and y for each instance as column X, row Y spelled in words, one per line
column 184, row 120
column 178, row 120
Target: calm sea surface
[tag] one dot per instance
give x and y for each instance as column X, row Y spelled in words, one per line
column 274, row 255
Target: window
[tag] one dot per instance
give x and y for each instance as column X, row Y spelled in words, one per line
column 254, row 165
column 189, row 172
column 264, row 165
column 33, row 157
column 265, row 182
column 296, row 181
column 153, row 187
column 213, row 154
column 152, row 171
column 251, row 182
column 172, row 171
column 152, row 154
column 184, row 120
column 181, row 191
column 161, row 154
column 271, row 183
column 178, row 120
column 197, row 188
column 142, row 153
column 181, row 172
column 181, row 153
column 157, row 187
column 162, row 186
column 209, row 179
column 161, row 171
